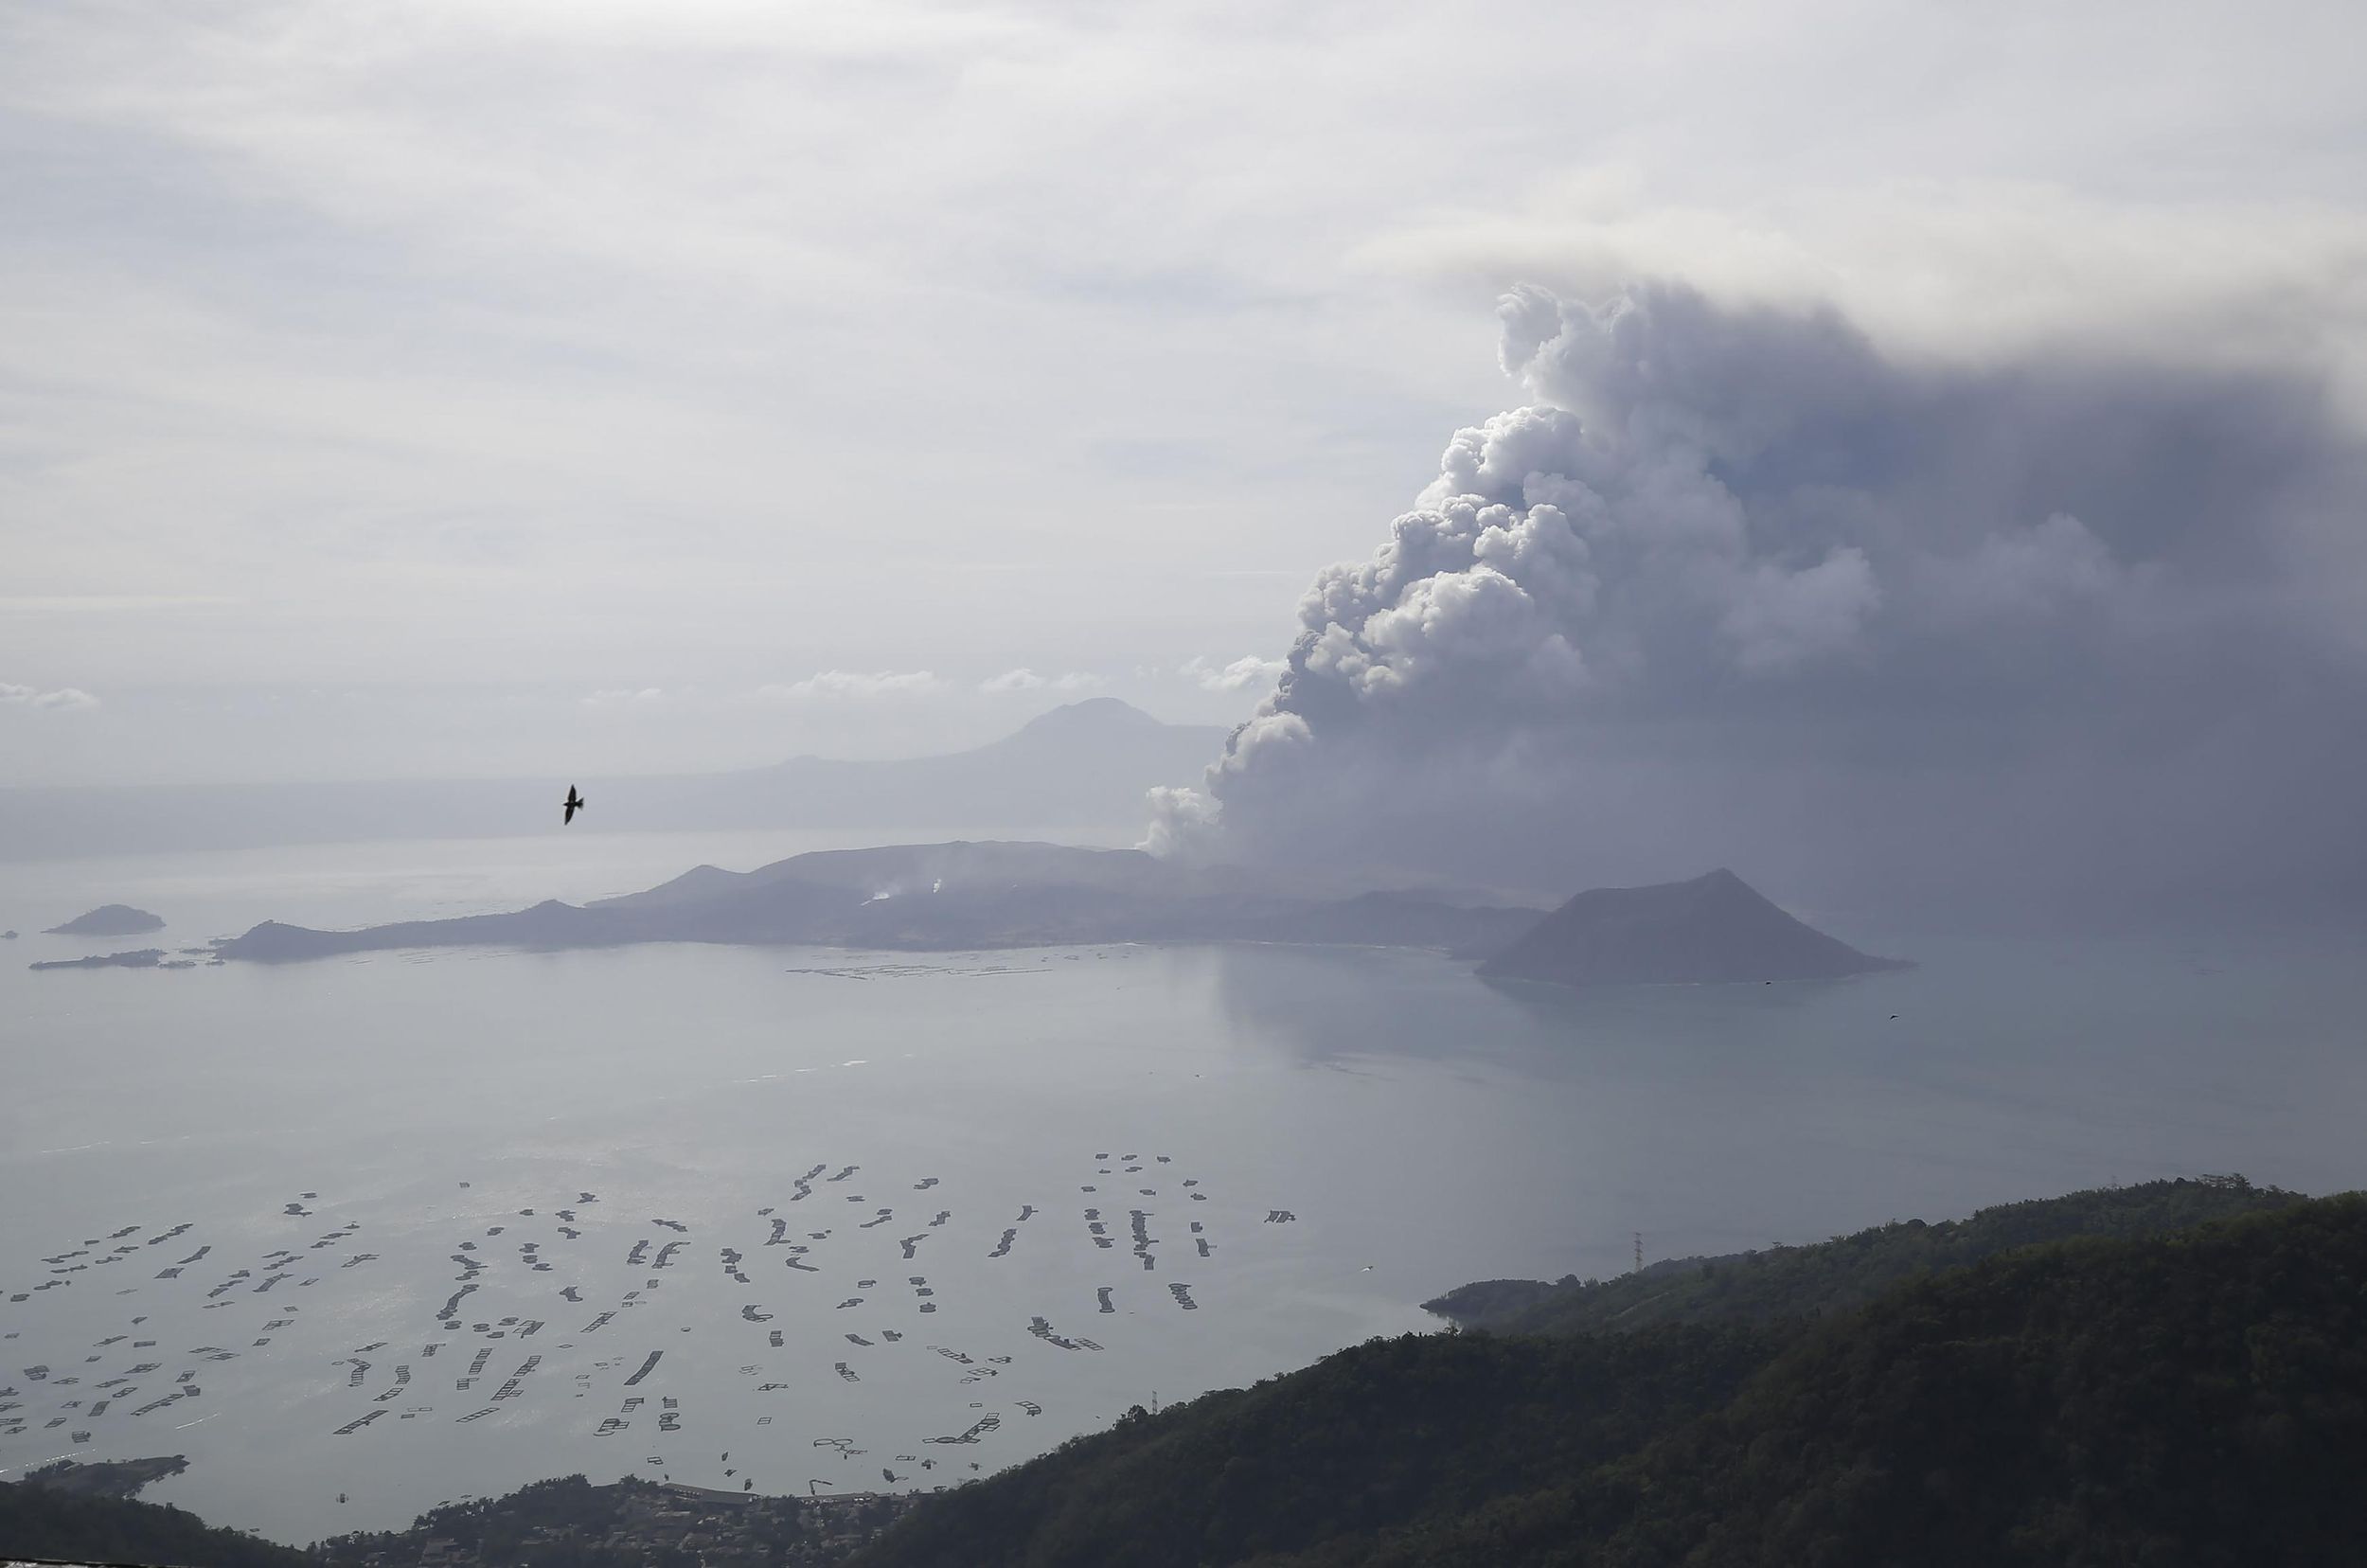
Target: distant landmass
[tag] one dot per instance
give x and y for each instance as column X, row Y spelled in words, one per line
column 1714, row 929
column 110, row 920
column 143, row 959
column 993, row 894
column 1084, row 766
column 940, row 896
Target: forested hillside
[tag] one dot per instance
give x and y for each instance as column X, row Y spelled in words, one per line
column 2199, row 1397
column 1390, row 1433
column 1785, row 1283
column 36, row 1520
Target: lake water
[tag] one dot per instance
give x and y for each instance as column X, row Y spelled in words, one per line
column 1420, row 1128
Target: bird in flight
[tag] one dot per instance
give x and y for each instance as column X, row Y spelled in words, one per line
column 574, row 804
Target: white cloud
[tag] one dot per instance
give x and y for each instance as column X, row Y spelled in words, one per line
column 1024, row 678
column 1242, row 674
column 63, row 698
column 624, row 697
column 855, row 686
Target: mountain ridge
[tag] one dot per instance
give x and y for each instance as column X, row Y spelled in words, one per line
column 1082, row 765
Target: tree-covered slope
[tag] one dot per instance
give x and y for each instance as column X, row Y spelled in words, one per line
column 1799, row 1282
column 1390, row 1433
column 37, row 1520
column 2192, row 1398
column 2198, row 1399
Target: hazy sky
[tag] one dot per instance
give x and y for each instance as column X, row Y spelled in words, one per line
column 573, row 387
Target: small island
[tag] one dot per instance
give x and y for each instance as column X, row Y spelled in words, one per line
column 142, row 958
column 1714, row 930
column 109, row 920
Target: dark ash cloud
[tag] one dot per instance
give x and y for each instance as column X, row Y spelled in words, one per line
column 1737, row 587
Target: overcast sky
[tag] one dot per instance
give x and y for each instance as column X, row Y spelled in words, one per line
column 541, row 388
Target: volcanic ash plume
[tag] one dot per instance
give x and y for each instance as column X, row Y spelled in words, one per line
column 1734, row 587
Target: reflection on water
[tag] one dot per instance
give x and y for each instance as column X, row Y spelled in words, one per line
column 1024, row 1129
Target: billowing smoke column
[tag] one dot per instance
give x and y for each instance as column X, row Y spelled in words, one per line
column 1736, row 588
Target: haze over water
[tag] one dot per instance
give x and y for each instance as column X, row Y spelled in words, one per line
column 1421, row 1127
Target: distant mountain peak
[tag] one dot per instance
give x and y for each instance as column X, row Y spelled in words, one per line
column 1092, row 716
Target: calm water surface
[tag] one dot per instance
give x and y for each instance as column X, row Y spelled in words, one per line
column 355, row 1141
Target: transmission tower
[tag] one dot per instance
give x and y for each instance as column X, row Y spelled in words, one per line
column 1639, row 1251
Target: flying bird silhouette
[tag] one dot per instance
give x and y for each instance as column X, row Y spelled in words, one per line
column 574, row 804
